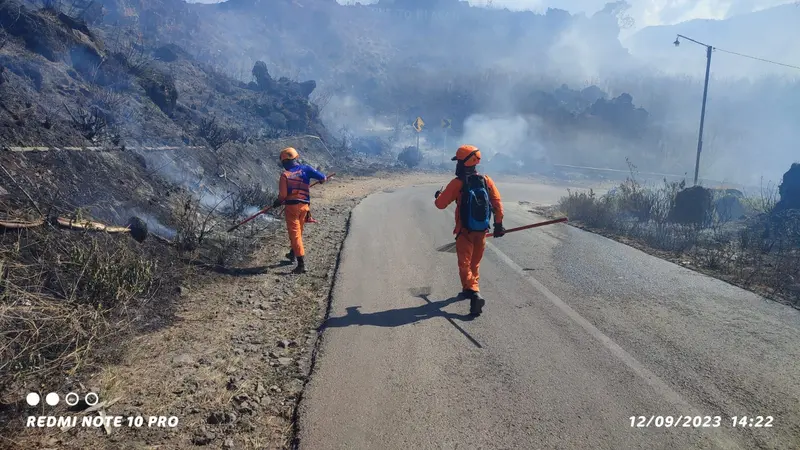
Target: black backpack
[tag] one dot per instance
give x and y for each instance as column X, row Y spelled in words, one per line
column 476, row 210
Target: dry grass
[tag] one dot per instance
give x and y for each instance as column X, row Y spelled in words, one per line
column 194, row 222
column 764, row 201
column 588, row 208
column 246, row 199
column 202, row 224
column 65, row 293
column 761, row 253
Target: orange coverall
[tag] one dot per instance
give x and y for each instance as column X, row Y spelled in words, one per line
column 293, row 190
column 469, row 244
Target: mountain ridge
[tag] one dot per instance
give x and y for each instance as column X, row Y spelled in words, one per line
column 768, row 34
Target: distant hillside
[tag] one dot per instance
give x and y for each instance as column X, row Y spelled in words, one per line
column 379, row 66
column 325, row 41
column 771, row 34
column 405, row 58
column 67, row 84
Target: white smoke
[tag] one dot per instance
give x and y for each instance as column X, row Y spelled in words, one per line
column 347, row 113
column 515, row 136
column 154, row 226
column 250, row 211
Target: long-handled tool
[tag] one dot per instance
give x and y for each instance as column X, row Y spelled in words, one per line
column 451, row 246
column 267, row 209
column 533, row 225
column 326, row 179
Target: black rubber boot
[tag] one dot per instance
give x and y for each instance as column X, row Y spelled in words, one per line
column 301, row 266
column 476, row 303
column 290, row 256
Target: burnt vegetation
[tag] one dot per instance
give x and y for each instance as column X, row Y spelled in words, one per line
column 117, row 75
column 96, row 116
column 749, row 240
column 216, row 134
column 86, row 61
column 68, row 79
column 69, row 300
column 410, row 156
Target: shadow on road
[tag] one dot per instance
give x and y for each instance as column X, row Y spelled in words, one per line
column 403, row 316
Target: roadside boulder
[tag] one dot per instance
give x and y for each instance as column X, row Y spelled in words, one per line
column 789, row 189
column 693, row 206
column 729, row 208
column 728, row 205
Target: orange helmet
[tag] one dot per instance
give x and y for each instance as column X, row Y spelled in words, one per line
column 469, row 154
column 289, row 153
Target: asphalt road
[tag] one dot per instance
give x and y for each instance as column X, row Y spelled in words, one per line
column 579, row 334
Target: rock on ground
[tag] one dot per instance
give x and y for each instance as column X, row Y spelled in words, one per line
column 692, row 206
column 790, row 189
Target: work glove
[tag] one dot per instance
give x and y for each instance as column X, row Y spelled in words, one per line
column 437, row 194
column 499, row 231
column 276, row 203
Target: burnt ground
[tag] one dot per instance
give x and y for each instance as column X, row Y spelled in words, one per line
column 232, row 365
column 771, row 276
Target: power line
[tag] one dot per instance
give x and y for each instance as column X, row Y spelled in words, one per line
column 757, row 59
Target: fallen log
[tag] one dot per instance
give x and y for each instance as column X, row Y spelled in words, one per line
column 89, row 225
column 20, row 224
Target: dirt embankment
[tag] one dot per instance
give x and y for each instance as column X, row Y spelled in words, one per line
column 233, row 365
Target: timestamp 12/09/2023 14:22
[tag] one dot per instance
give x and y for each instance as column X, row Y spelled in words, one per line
column 701, row 421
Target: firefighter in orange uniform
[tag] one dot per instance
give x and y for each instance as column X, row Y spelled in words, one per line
column 477, row 198
column 293, row 191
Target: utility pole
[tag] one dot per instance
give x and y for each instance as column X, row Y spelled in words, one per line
column 709, row 49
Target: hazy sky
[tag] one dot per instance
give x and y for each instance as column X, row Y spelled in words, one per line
column 652, row 12
column 644, row 12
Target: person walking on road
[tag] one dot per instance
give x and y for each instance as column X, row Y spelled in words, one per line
column 477, row 199
column 294, row 192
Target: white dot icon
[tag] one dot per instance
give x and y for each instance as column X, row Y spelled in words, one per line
column 32, row 399
column 52, row 399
